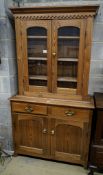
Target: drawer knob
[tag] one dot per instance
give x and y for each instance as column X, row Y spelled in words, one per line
column 28, row 109
column 44, row 131
column 52, row 132
column 70, row 113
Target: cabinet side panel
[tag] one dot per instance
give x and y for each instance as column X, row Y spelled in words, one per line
column 19, row 54
column 87, row 55
column 86, row 140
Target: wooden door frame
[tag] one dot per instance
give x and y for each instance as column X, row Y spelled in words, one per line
column 37, row 23
column 80, row 23
column 87, row 55
column 29, row 150
column 18, row 26
column 79, row 159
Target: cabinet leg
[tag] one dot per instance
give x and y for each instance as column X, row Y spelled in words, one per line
column 91, row 172
column 92, row 169
column 15, row 154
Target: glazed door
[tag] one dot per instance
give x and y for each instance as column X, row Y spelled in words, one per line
column 31, row 134
column 67, row 56
column 69, row 140
column 37, row 56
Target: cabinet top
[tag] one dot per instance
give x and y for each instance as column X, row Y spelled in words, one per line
column 51, row 101
column 98, row 97
column 57, row 9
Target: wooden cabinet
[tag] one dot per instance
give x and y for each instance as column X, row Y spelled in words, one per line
column 96, row 153
column 52, row 112
column 51, row 131
column 54, row 50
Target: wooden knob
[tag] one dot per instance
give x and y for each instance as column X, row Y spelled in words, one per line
column 54, row 54
column 52, row 132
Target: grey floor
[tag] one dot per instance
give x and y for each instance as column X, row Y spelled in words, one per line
column 30, row 166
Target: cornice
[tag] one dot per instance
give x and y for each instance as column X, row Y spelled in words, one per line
column 57, row 9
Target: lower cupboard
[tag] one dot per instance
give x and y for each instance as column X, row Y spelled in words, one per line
column 62, row 134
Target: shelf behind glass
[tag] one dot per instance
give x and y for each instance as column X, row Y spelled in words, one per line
column 68, row 37
column 38, row 77
column 68, row 59
column 37, row 37
column 37, row 58
column 67, row 79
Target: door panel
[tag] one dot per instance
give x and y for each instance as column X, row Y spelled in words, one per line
column 68, row 140
column 67, row 56
column 71, row 135
column 37, row 38
column 31, row 134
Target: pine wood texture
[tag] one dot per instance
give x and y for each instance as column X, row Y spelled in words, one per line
column 29, row 108
column 52, row 112
column 29, row 134
column 53, row 132
column 54, row 101
column 92, row 9
column 81, row 21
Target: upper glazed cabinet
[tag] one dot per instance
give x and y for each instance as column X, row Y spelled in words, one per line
column 54, row 50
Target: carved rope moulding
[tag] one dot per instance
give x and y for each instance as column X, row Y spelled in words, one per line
column 53, row 16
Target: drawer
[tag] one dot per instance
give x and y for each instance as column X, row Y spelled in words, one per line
column 70, row 113
column 29, row 108
column 97, row 155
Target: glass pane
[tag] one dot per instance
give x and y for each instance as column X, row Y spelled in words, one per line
column 69, row 31
column 67, row 69
column 68, row 53
column 37, row 31
column 36, row 47
column 37, row 56
column 38, row 82
column 37, row 67
column 67, row 84
column 68, row 48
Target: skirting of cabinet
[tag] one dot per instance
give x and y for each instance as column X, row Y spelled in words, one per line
column 70, row 159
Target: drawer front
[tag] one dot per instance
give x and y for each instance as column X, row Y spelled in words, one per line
column 99, row 158
column 29, row 108
column 97, row 155
column 70, row 113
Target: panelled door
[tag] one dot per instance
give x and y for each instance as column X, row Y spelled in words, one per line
column 37, row 55
column 67, row 56
column 31, row 134
column 69, row 141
